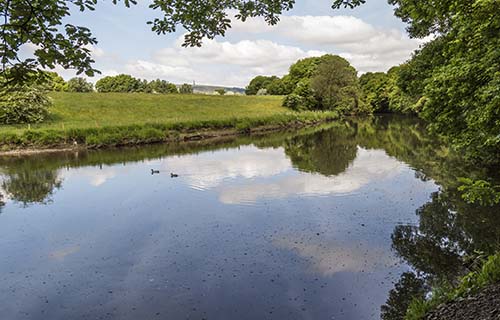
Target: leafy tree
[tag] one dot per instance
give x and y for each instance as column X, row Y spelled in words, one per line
column 23, row 104
column 119, row 83
column 79, row 84
column 186, row 89
column 335, row 84
column 302, row 69
column 145, row 86
column 327, row 82
column 293, row 101
column 161, row 86
column 399, row 100
column 463, row 95
column 479, row 191
column 375, row 87
column 453, row 81
column 258, row 83
column 308, row 99
column 280, row 87
column 54, row 82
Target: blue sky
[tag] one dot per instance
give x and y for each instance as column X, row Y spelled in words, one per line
column 370, row 37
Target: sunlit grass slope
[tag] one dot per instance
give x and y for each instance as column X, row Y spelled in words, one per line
column 84, row 110
column 101, row 119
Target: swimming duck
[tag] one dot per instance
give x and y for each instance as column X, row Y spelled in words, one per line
column 155, row 171
column 173, row 175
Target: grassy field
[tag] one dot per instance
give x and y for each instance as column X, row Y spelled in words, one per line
column 100, row 119
column 84, row 110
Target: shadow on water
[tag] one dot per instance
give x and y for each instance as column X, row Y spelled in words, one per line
column 435, row 249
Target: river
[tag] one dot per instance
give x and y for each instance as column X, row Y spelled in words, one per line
column 334, row 222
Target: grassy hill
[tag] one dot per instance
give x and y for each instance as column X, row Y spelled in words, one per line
column 101, row 119
column 83, row 110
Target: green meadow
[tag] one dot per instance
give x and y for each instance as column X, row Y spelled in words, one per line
column 102, row 119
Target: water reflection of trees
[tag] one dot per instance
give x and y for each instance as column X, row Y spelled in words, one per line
column 329, row 152
column 450, row 231
column 34, row 179
column 405, row 290
column 29, row 183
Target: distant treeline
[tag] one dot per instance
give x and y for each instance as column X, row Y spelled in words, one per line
column 318, row 83
column 330, row 82
column 120, row 83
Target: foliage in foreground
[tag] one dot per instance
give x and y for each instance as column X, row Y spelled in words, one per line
column 470, row 284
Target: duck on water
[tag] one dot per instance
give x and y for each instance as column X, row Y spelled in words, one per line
column 172, row 175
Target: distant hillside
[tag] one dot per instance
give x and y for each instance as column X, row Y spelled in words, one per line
column 211, row 89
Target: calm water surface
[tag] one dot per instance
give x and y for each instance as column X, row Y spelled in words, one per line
column 317, row 224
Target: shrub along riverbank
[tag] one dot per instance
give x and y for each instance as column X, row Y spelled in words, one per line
column 112, row 119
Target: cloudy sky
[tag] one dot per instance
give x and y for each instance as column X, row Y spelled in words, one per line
column 370, row 37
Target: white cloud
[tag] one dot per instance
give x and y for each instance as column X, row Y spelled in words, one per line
column 367, row 47
column 318, row 30
column 254, row 48
column 219, row 62
column 95, row 51
column 224, row 62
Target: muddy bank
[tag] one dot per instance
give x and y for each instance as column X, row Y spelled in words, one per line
column 206, row 135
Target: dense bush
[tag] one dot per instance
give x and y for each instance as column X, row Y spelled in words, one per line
column 381, row 92
column 54, row 82
column 293, row 101
column 375, row 87
column 119, row 83
column 322, row 83
column 23, row 104
column 335, row 85
column 280, row 87
column 78, row 84
column 258, row 83
column 186, row 89
column 159, row 86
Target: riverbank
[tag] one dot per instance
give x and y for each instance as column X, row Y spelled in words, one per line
column 484, row 305
column 108, row 120
column 466, row 300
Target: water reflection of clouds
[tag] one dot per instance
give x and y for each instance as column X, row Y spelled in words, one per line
column 95, row 177
column 327, row 258
column 208, row 172
column 368, row 166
